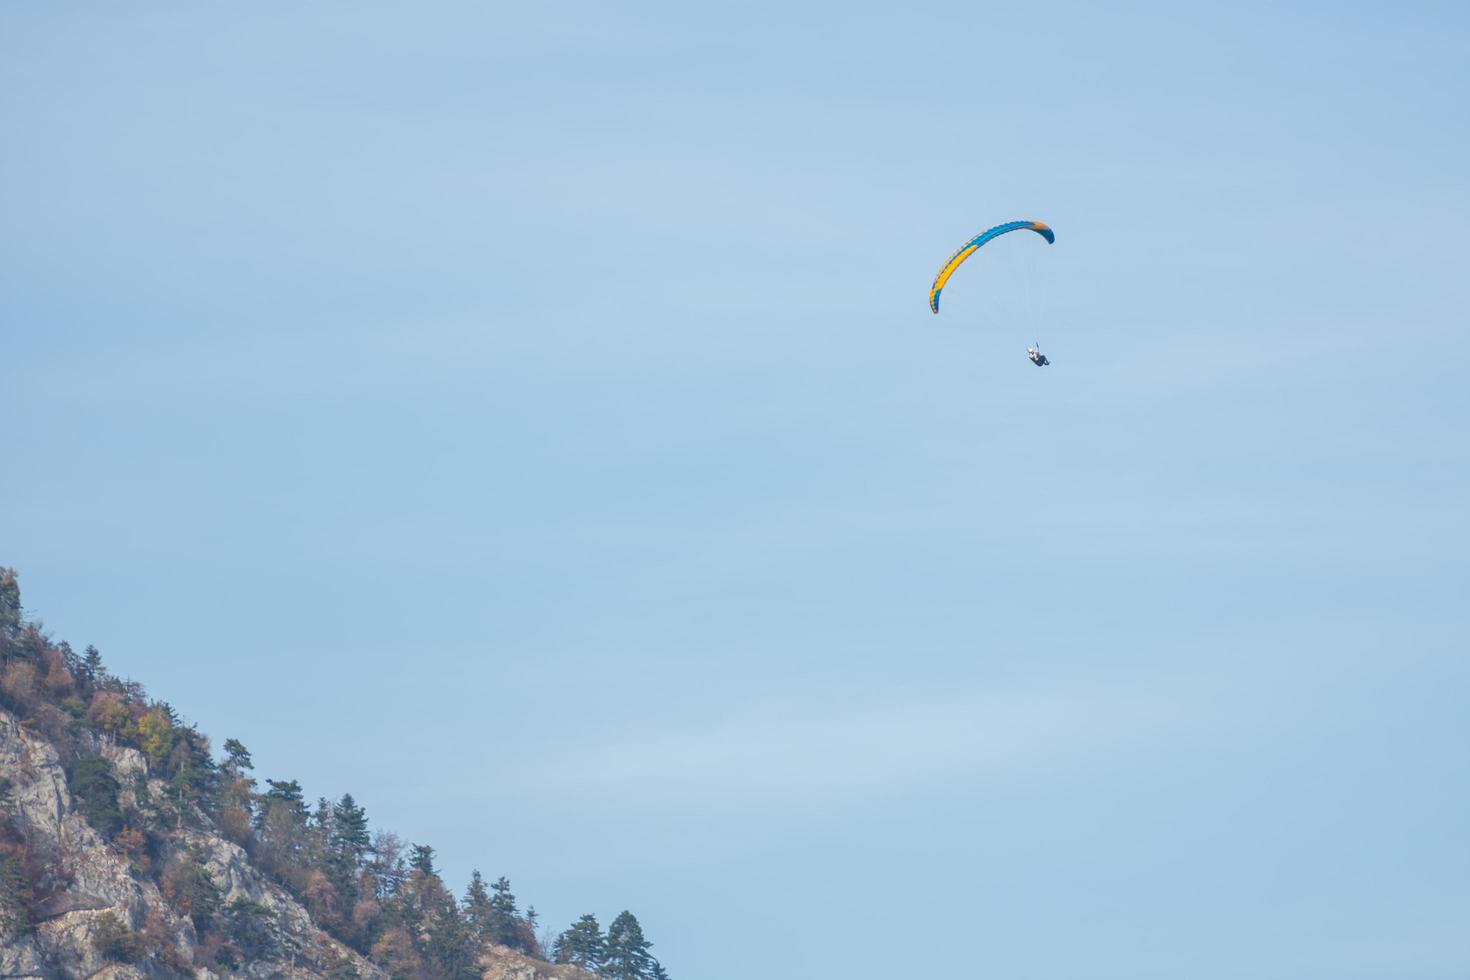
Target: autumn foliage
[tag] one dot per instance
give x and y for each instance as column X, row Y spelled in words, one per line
column 369, row 889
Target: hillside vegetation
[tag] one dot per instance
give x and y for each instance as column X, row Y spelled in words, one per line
column 128, row 848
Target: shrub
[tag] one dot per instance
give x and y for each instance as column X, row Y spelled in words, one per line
column 251, row 927
column 15, row 892
column 115, row 941
column 96, row 789
column 19, row 683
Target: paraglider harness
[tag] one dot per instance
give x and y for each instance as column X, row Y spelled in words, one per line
column 1037, row 357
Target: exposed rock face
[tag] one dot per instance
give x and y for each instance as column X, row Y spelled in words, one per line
column 502, row 963
column 95, row 879
column 91, row 885
column 90, row 882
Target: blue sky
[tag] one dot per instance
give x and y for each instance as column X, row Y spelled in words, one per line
column 529, row 419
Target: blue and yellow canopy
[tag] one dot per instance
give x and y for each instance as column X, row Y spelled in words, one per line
column 968, row 249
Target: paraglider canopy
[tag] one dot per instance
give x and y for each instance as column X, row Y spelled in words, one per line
column 968, row 249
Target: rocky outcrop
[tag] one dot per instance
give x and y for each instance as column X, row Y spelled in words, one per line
column 85, row 876
column 503, row 963
column 90, row 885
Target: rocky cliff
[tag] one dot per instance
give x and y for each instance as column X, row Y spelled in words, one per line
column 92, row 890
column 128, row 849
column 94, row 906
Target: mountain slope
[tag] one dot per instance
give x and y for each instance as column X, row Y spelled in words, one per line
column 127, row 850
column 87, row 888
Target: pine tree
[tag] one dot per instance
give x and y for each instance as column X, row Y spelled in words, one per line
column 583, row 944
column 627, row 956
column 9, row 604
column 237, row 757
column 322, row 818
column 91, row 666
column 477, row 906
column 451, row 947
column 287, row 792
column 349, row 829
column 423, row 859
column 503, row 924
column 345, row 841
column 190, row 889
column 95, row 790
column 280, row 826
column 237, row 791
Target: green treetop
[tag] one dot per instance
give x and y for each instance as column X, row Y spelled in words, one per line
column 583, row 944
column 627, row 956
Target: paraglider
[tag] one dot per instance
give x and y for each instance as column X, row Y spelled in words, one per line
column 969, row 248
column 1037, row 357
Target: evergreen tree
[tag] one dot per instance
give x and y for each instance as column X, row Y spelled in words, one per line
column 237, row 757
column 95, row 789
column 190, row 889
column 322, row 818
column 114, row 940
column 280, row 826
column 90, row 669
column 627, row 956
column 237, row 792
column 251, row 927
column 476, row 906
column 285, row 792
column 169, row 713
column 347, row 842
column 451, row 949
column 192, row 772
column 583, row 944
column 349, row 829
column 9, row 606
column 504, row 924
column 422, row 859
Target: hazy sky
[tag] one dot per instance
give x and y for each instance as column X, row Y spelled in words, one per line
column 530, row 420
